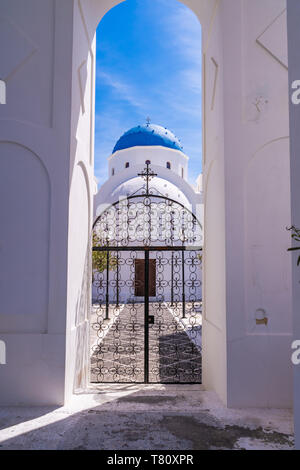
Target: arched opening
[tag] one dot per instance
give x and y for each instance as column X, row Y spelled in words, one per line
column 214, row 307
column 155, row 145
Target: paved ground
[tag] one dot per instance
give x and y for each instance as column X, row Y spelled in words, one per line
column 133, row 417
column 118, row 344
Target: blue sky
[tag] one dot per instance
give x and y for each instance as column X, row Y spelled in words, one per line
column 148, row 64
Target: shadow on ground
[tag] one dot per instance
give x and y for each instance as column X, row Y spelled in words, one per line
column 165, row 418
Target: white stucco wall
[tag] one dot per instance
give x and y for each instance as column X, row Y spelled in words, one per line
column 34, row 156
column 158, row 156
column 257, row 203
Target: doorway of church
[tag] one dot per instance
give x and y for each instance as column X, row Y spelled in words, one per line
column 140, row 268
column 147, row 292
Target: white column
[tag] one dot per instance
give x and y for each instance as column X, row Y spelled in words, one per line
column 36, row 65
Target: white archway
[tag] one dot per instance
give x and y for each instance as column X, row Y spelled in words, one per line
column 230, row 331
column 245, row 90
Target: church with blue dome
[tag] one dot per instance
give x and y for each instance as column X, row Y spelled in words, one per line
column 160, row 147
column 148, row 224
column 148, row 135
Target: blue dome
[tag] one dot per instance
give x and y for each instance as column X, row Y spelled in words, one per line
column 148, row 134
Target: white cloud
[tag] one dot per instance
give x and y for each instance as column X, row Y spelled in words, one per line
column 170, row 99
column 186, row 28
column 185, row 32
column 109, row 126
column 193, row 78
column 125, row 91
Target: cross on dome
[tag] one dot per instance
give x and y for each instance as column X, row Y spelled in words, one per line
column 147, row 175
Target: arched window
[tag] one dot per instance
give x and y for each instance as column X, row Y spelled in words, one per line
column 182, row 172
column 112, row 172
column 169, row 165
column 127, row 165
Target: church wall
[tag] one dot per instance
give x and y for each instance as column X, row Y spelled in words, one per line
column 244, row 53
column 104, row 196
column 214, row 295
column 81, row 194
column 257, row 182
column 157, row 155
column 34, row 154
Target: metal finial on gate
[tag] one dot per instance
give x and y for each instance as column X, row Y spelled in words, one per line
column 147, row 175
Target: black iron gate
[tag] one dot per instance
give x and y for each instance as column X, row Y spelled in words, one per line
column 147, row 292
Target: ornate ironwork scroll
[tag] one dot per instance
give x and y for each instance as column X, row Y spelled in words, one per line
column 147, row 291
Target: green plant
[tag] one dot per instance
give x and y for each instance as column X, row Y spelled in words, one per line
column 99, row 258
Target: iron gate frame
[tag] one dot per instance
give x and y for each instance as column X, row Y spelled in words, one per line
column 147, row 197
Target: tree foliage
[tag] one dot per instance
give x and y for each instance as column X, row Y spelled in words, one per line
column 99, row 258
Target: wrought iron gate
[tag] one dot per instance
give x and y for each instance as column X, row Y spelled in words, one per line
column 147, row 295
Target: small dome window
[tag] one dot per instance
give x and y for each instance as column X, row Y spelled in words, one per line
column 168, row 165
column 112, row 172
column 182, row 172
column 127, row 165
